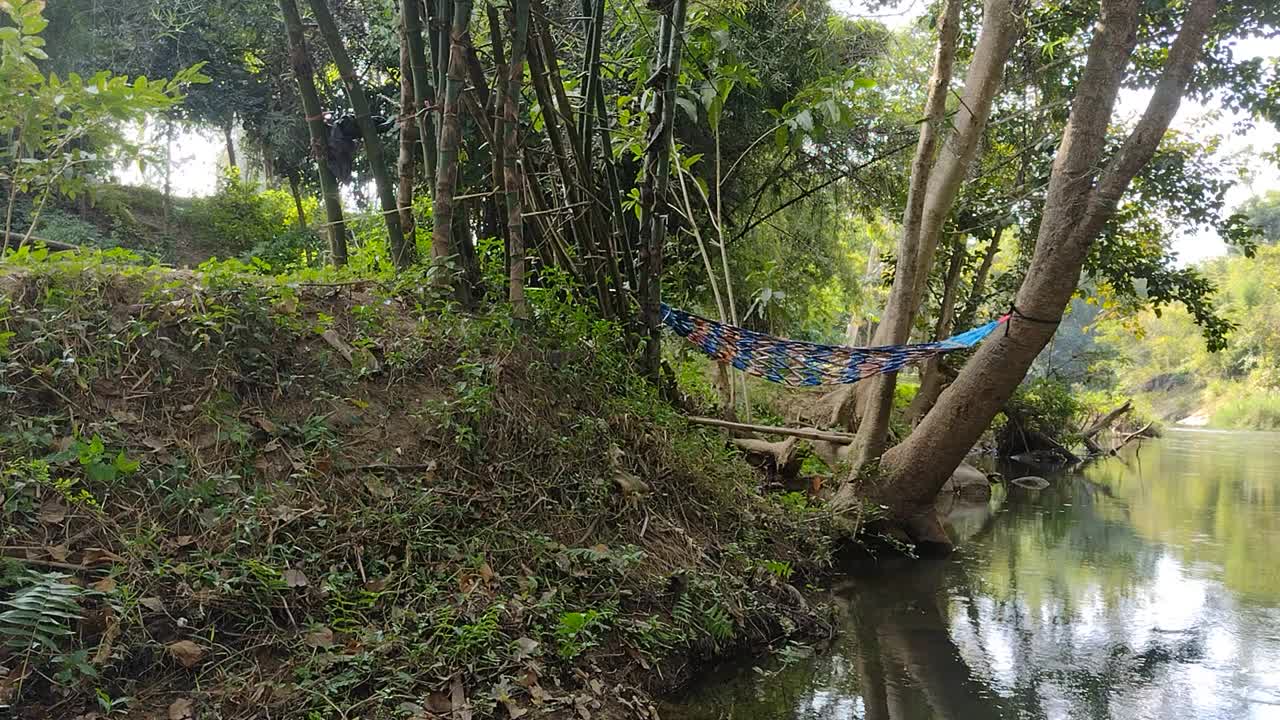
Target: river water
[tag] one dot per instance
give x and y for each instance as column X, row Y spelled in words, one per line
column 1145, row 586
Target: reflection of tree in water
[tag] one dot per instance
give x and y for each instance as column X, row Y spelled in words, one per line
column 1051, row 608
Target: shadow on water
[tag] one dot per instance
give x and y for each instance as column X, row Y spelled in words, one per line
column 1113, row 593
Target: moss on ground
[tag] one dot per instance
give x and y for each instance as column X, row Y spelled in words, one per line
column 259, row 497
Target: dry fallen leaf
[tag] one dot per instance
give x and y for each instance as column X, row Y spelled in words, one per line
column 154, row 604
column 525, row 647
column 182, row 709
column 379, row 489
column 155, row 443
column 321, row 638
column 266, row 425
column 52, row 513
column 187, row 653
column 294, row 578
column 98, row 556
column 58, row 552
column 458, row 696
column 438, row 703
column 105, row 585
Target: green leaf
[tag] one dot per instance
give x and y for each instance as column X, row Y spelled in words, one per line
column 124, row 464
column 9, row 34
column 689, row 108
column 101, row 472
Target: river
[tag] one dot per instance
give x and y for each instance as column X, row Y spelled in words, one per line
column 1143, row 586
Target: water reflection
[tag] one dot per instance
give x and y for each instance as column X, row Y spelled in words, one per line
column 1141, row 588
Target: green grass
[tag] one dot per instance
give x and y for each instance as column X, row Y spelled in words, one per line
column 1258, row 410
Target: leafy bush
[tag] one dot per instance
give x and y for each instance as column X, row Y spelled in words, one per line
column 239, row 218
column 1249, row 411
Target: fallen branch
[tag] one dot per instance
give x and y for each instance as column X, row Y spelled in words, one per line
column 782, row 456
column 802, row 433
column 17, row 238
column 1144, row 431
column 359, row 359
column 1105, row 421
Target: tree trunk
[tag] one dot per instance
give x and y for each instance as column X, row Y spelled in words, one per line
column 300, row 61
column 512, row 172
column 442, row 240
column 405, row 165
column 228, row 135
column 402, row 253
column 1076, row 210
column 296, row 192
column 896, row 326
column 657, row 180
column 1001, row 25
column 970, row 312
column 931, row 373
column 424, row 94
column 269, row 176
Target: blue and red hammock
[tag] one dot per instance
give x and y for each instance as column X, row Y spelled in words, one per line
column 800, row 364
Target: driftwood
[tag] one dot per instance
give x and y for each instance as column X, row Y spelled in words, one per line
column 802, row 433
column 1105, row 421
column 1090, row 433
column 1143, row 432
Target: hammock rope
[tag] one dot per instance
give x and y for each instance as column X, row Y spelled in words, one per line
column 804, row 364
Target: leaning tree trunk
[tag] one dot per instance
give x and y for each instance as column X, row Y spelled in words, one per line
column 657, row 180
column 424, row 94
column 926, row 147
column 978, row 290
column 931, row 372
column 512, row 175
column 442, row 239
column 402, row 253
column 1001, row 24
column 295, row 190
column 300, row 60
column 1076, row 211
column 229, row 136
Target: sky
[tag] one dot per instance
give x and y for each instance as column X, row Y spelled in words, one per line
column 197, row 154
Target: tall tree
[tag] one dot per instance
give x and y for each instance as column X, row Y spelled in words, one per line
column 1084, row 191
column 402, row 251
column 1002, row 22
column 300, row 60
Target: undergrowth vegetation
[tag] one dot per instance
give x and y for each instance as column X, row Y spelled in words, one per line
column 329, row 499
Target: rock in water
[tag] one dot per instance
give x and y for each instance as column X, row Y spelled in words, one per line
column 968, row 480
column 1031, row 482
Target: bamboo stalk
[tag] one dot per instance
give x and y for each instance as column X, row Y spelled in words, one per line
column 512, row 176
column 423, row 93
column 402, row 254
column 300, row 60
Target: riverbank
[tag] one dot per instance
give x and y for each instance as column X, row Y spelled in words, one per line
column 226, row 495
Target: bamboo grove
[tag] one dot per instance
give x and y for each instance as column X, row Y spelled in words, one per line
column 553, row 129
column 554, row 186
